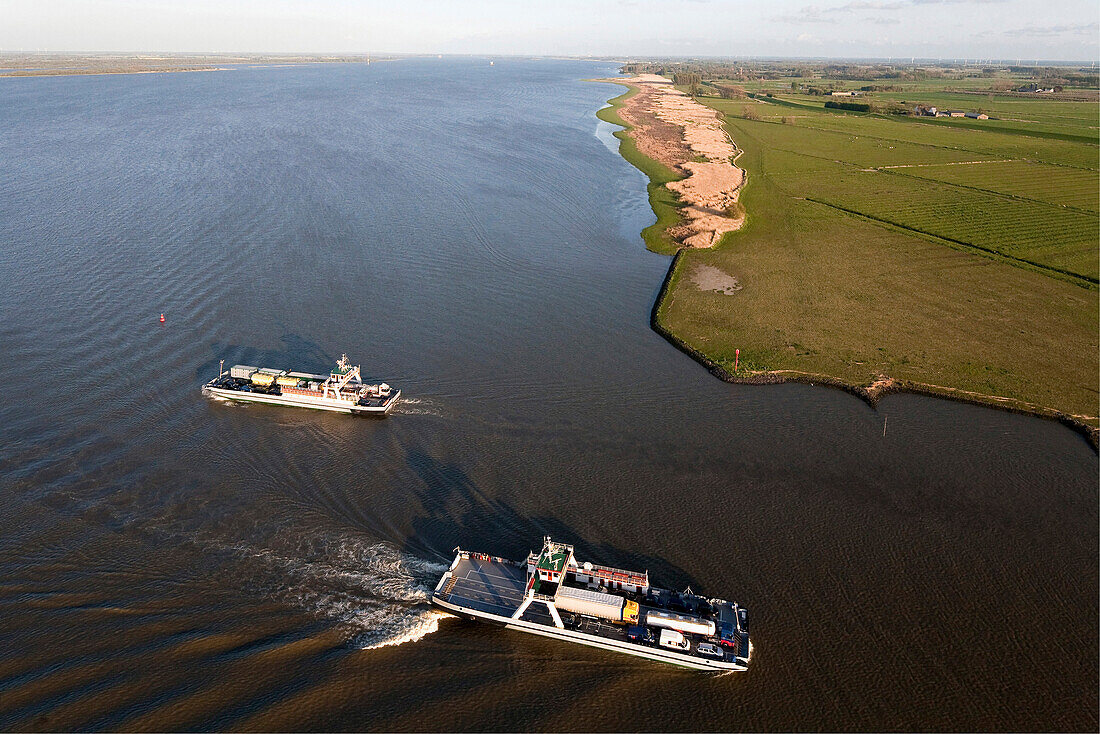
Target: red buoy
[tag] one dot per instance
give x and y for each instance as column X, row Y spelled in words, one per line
column 162, row 318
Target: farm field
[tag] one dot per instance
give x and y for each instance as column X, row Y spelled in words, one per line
column 866, row 149
column 965, row 135
column 1028, row 232
column 923, row 186
column 876, row 246
column 1077, row 118
column 1058, row 185
column 1029, row 116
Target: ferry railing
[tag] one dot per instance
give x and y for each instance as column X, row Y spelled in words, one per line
column 605, row 573
column 487, row 557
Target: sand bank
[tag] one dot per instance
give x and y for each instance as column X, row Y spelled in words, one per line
column 672, row 128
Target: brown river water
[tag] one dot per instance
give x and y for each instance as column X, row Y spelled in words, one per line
column 469, row 234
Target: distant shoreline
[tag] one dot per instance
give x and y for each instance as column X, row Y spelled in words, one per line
column 22, row 74
column 33, row 65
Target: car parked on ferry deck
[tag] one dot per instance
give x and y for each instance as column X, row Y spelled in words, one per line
column 638, row 633
column 710, row 650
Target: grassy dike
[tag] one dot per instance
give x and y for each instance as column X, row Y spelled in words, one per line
column 831, row 298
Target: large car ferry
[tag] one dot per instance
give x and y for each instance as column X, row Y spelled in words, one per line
column 342, row 390
column 552, row 595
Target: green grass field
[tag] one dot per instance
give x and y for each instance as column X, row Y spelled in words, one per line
column 1000, row 194
column 1039, row 182
column 1027, row 232
column 874, row 245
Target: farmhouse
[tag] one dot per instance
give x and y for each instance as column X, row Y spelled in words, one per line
column 927, row 111
column 1034, row 88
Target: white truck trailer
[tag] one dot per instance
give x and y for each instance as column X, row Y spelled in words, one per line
column 596, row 604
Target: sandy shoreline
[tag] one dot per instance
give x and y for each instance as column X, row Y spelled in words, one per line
column 675, row 130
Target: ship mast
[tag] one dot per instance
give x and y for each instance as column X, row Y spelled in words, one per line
column 342, row 375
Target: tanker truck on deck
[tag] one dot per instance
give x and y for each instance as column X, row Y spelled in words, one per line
column 680, row 622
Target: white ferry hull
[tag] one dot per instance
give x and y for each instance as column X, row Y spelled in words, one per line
column 294, row 401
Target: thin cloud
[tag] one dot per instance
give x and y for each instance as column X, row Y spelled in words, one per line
column 834, row 13
column 854, row 6
column 806, row 17
column 869, row 5
column 1054, row 30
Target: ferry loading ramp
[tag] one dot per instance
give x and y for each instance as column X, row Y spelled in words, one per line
column 487, row 585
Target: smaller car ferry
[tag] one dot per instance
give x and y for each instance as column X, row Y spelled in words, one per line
column 342, row 390
column 552, row 595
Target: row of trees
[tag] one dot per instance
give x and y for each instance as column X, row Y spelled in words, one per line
column 690, row 79
column 853, row 106
column 729, row 91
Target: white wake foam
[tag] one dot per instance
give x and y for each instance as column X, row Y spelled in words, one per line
column 419, row 406
column 377, row 594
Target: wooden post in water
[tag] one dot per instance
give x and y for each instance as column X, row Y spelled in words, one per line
column 885, row 419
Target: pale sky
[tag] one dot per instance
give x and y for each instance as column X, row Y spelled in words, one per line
column 1004, row 29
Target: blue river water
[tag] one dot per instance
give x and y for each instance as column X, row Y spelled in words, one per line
column 468, row 233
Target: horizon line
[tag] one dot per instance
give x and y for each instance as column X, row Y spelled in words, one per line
column 617, row 58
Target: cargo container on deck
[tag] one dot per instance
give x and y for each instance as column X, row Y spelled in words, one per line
column 680, row 622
